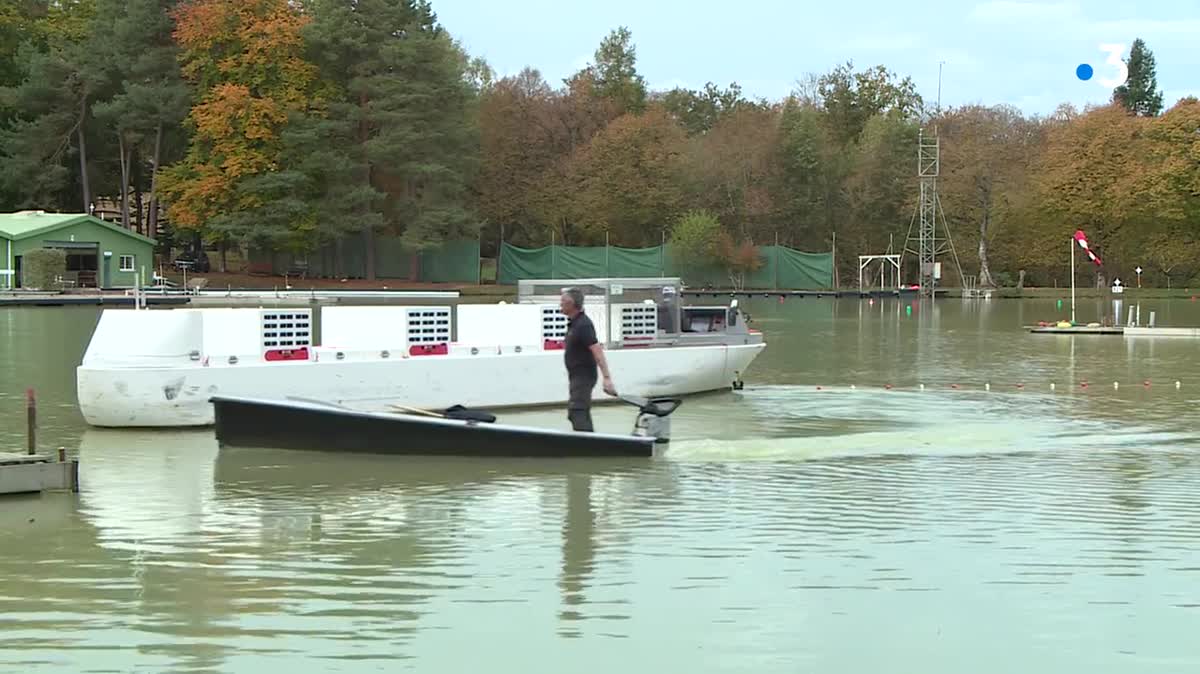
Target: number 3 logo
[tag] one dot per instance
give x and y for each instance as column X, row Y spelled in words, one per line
column 1114, row 59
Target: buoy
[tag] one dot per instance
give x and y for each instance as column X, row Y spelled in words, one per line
column 1176, row 386
column 922, row 387
column 1083, row 384
column 987, row 386
column 853, row 387
column 887, row 386
column 1051, row 386
column 1116, row 385
column 1146, row 383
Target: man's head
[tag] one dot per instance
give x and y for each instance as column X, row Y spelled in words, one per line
column 571, row 302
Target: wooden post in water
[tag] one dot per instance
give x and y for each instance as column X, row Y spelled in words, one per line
column 31, row 419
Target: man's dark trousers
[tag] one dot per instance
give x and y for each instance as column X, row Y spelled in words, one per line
column 579, row 407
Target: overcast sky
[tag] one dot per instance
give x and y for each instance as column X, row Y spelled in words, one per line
column 1002, row 51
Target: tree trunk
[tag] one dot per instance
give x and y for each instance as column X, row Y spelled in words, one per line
column 152, row 220
column 137, row 196
column 222, row 247
column 368, row 230
column 985, row 273
column 125, row 155
column 83, row 174
column 339, row 257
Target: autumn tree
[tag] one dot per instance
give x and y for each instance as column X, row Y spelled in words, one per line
column 1088, row 180
column 627, row 180
column 245, row 60
column 730, row 169
column 986, row 161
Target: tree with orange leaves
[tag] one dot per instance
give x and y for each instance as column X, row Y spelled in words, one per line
column 245, row 59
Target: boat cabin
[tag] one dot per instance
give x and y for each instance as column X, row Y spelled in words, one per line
column 632, row 311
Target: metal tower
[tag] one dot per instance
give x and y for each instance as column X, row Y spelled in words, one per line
column 929, row 207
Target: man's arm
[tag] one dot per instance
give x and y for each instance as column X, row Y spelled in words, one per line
column 598, row 352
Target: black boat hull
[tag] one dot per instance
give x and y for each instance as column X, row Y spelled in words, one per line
column 288, row 424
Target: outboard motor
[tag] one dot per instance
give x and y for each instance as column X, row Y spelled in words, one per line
column 654, row 417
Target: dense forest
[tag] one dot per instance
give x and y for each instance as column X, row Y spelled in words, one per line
column 294, row 124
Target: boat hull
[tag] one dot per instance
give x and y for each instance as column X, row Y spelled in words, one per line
column 178, row 395
column 247, row 422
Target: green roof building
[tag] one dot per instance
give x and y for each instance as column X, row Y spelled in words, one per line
column 99, row 254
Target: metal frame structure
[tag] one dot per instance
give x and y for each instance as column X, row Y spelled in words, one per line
column 929, row 206
column 864, row 260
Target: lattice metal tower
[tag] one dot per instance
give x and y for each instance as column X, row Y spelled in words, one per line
column 929, row 207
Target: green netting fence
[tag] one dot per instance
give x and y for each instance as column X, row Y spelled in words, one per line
column 782, row 268
column 452, row 262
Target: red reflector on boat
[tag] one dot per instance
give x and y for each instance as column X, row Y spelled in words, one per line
column 287, row 354
column 553, row 344
column 429, row 349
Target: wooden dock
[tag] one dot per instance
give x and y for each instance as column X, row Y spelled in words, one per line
column 34, row 473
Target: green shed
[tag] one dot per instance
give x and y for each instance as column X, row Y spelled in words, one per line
column 99, row 254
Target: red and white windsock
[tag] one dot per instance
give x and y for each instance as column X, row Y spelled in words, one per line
column 1081, row 239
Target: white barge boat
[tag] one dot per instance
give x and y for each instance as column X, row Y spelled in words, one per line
column 148, row 368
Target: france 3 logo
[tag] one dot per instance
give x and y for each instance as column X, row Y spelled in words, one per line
column 1120, row 68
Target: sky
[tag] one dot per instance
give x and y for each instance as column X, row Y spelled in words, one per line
column 1017, row 52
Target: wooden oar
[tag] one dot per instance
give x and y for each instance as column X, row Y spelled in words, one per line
column 414, row 410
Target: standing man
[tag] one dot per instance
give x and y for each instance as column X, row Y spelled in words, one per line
column 583, row 353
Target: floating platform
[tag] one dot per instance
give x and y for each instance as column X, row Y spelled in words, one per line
column 1193, row 333
column 810, row 293
column 49, row 300
column 1077, row 330
column 34, row 473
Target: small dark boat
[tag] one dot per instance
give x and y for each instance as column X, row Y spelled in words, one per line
column 314, row 425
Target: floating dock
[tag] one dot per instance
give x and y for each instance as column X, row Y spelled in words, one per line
column 35, row 473
column 807, row 293
column 1077, row 330
column 52, row 300
column 1193, row 333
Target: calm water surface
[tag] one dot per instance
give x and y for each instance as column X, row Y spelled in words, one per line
column 798, row 525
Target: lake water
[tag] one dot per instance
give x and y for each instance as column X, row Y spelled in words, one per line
column 815, row 521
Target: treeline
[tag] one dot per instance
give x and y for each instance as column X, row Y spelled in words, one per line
column 298, row 124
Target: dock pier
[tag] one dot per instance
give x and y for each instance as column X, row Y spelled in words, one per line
column 31, row 472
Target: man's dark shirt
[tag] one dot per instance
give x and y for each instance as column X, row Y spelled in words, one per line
column 581, row 335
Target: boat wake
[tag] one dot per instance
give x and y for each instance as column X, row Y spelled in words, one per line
column 794, row 423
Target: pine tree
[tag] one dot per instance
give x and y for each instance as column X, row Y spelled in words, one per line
column 404, row 90
column 1139, row 94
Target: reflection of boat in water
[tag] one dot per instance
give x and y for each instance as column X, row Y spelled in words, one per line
column 368, row 357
